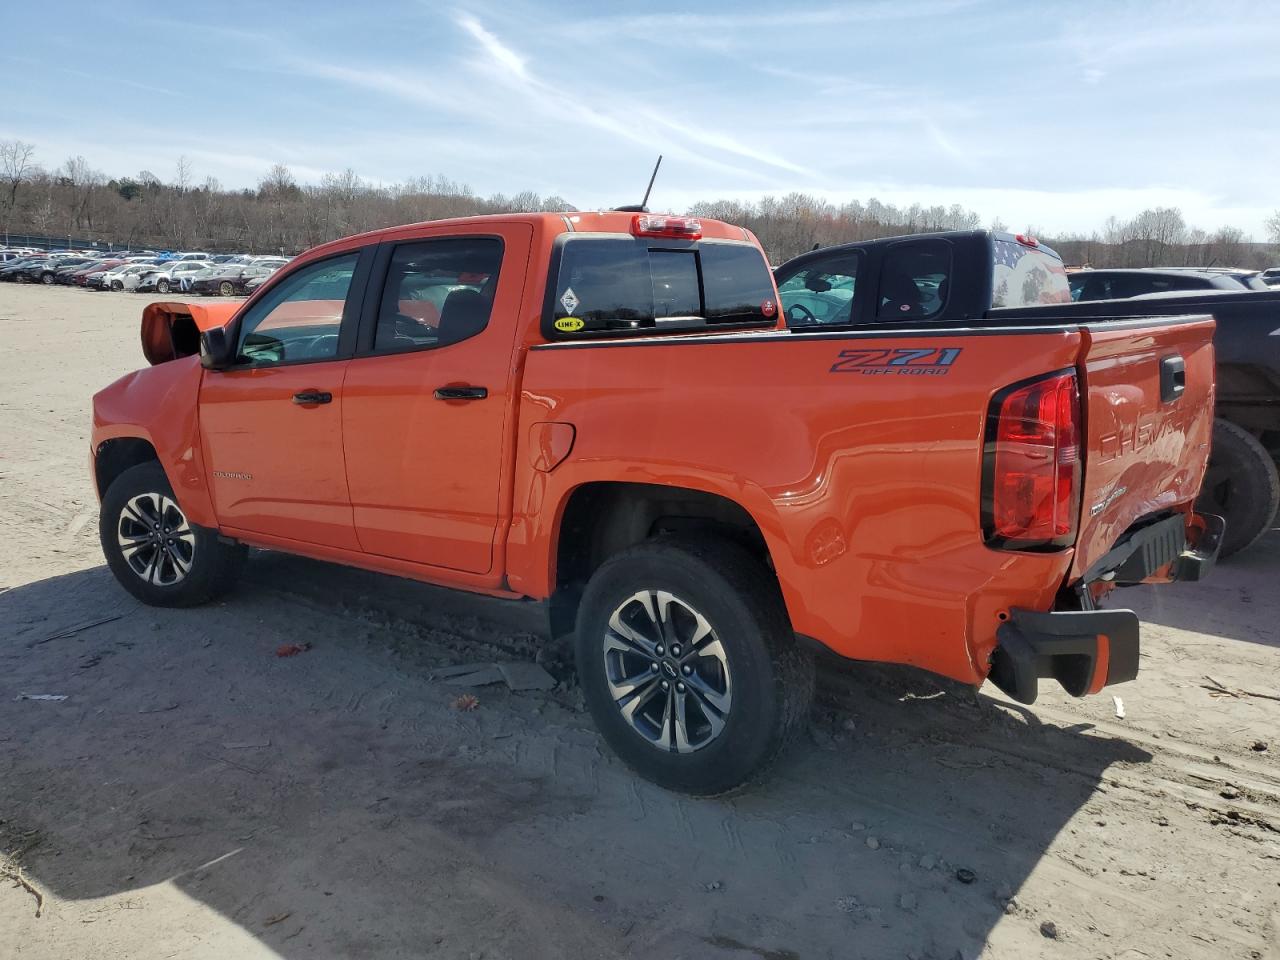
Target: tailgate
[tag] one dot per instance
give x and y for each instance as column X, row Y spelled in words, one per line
column 1147, row 443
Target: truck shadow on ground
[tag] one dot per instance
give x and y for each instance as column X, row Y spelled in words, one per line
column 335, row 803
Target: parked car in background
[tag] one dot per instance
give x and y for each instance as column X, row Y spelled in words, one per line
column 230, row 281
column 128, row 277
column 1120, row 284
column 274, row 263
column 1271, row 277
column 254, row 284
column 46, row 271
column 91, row 277
column 15, row 270
column 168, row 276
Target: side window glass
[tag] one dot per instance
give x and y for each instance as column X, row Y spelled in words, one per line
column 437, row 292
column 301, row 316
column 914, row 281
column 821, row 294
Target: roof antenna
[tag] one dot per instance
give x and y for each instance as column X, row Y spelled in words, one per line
column 644, row 204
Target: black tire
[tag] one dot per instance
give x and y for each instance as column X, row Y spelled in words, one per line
column 770, row 677
column 226, row 288
column 117, row 286
column 1241, row 486
column 162, row 286
column 46, row 278
column 212, row 565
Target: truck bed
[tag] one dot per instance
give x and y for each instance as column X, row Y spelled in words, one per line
column 860, row 455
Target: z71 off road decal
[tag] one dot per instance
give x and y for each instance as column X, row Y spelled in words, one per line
column 914, row 362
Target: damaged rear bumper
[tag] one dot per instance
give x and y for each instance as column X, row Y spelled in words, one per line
column 1086, row 650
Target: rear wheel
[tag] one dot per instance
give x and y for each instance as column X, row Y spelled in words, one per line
column 689, row 666
column 162, row 286
column 1241, row 486
column 117, row 285
column 155, row 552
column 226, row 289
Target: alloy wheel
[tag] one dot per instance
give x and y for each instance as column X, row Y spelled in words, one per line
column 155, row 539
column 667, row 671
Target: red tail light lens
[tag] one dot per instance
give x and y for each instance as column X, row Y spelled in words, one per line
column 1031, row 495
column 677, row 228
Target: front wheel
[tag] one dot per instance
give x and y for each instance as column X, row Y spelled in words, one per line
column 162, row 286
column 155, row 552
column 226, row 289
column 1241, row 486
column 689, row 665
column 117, row 286
column 46, row 279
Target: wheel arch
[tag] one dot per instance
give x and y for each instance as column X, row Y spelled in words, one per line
column 118, row 454
column 599, row 519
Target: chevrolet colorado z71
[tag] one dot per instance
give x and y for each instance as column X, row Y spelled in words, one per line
column 606, row 411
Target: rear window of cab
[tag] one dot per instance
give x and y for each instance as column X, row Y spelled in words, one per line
column 620, row 285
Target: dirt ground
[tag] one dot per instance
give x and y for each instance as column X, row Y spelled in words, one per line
column 195, row 796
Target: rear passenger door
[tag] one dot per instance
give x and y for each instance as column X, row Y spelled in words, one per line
column 426, row 399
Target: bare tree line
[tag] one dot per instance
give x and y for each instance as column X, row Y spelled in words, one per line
column 282, row 215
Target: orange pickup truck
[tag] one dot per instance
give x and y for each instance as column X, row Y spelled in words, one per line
column 607, row 412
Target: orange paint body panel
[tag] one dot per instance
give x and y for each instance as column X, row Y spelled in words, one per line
column 866, row 487
column 1144, row 456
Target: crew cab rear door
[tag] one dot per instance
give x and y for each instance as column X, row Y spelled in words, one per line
column 1147, row 392
column 428, row 397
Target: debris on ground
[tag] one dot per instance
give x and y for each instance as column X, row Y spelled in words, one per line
column 15, row 874
column 41, row 696
column 1258, row 746
column 246, row 744
column 1217, row 688
column 1049, row 929
column 466, row 702
column 1119, row 708
column 292, row 649
column 873, row 843
column 160, row 708
column 526, row 676
column 713, row 886
column 965, row 875
column 279, row 918
column 72, row 631
column 517, row 675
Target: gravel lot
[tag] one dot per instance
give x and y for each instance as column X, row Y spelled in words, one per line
column 195, row 796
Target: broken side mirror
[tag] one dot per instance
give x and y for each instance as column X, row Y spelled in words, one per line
column 216, row 349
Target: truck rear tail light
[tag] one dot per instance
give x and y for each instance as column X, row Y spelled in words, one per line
column 677, row 228
column 1031, row 465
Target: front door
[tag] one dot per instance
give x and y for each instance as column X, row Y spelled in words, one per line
column 427, row 396
column 272, row 424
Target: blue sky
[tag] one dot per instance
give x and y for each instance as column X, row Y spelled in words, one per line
column 1052, row 115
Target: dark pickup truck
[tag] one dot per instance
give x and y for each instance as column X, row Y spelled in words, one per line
column 968, row 277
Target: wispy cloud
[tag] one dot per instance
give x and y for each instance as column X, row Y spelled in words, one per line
column 502, row 55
